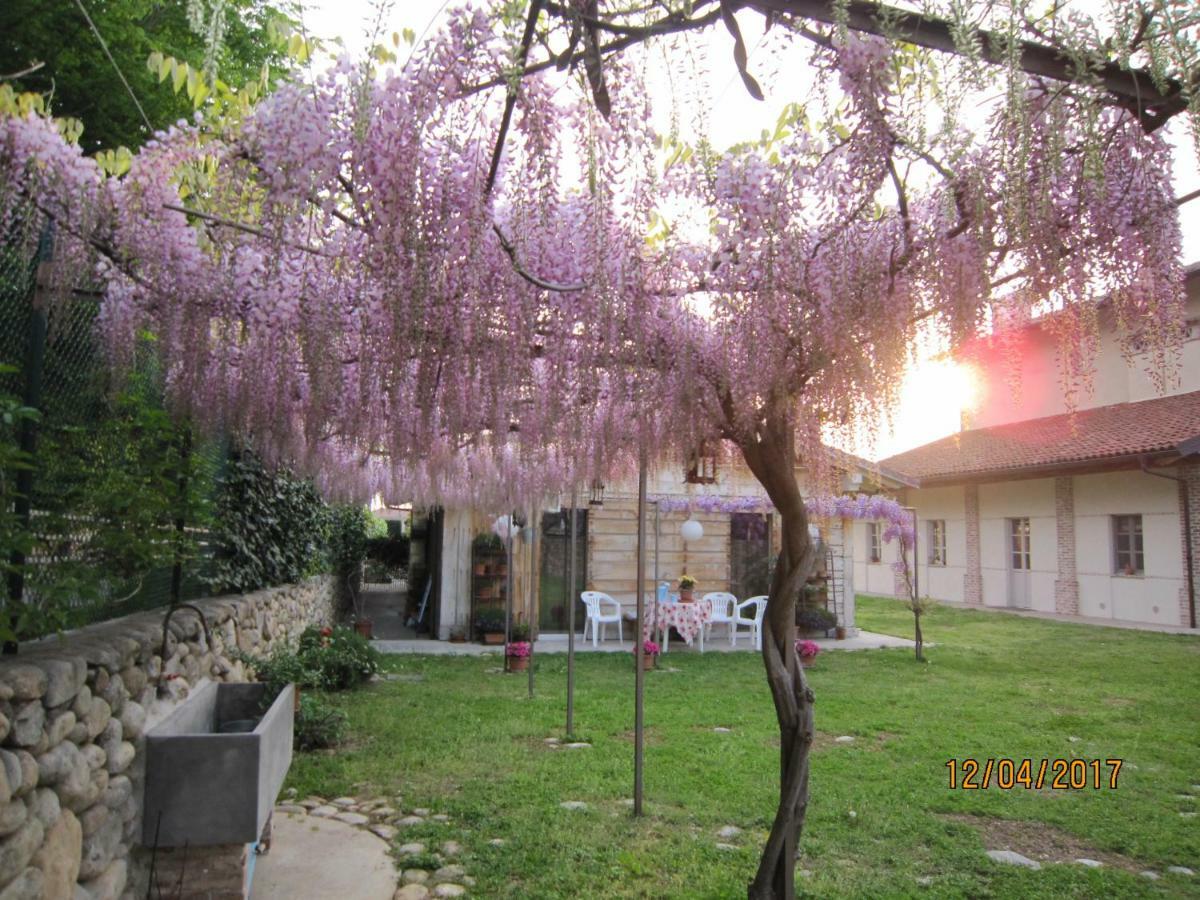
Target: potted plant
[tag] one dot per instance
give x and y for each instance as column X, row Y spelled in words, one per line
column 490, row 624
column 518, row 655
column 807, row 651
column 813, row 621
column 687, row 589
column 365, row 627
column 650, row 652
column 458, row 634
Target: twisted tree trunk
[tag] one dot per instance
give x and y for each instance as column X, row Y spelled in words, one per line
column 771, row 457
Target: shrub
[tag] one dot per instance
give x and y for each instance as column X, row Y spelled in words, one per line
column 329, row 659
column 814, row 618
column 318, row 724
column 342, row 656
column 271, row 527
column 490, row 620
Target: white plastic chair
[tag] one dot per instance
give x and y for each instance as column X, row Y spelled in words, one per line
column 722, row 604
column 596, row 617
column 760, row 606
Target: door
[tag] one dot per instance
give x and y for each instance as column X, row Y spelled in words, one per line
column 554, row 592
column 749, row 554
column 1018, row 564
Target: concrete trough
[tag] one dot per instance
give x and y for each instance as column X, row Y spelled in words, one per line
column 205, row 787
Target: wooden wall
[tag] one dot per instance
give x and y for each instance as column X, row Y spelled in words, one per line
column 612, row 551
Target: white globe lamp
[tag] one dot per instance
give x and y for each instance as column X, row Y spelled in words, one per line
column 691, row 530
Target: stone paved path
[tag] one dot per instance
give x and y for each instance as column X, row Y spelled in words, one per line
column 318, row 858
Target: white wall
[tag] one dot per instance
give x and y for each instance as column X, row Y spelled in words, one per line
column 945, row 503
column 1034, row 355
column 1152, row 596
column 869, row 577
column 1033, row 499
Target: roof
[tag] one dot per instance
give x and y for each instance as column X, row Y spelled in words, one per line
column 881, row 471
column 1104, row 434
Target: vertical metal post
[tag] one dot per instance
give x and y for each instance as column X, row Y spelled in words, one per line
column 27, row 435
column 508, row 590
column 185, row 454
column 571, row 601
column 656, row 529
column 533, row 529
column 639, row 675
column 916, row 579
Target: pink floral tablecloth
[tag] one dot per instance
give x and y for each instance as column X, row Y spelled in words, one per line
column 686, row 618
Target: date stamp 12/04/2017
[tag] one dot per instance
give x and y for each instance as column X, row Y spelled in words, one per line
column 1056, row 774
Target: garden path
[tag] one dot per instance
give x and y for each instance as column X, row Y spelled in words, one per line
column 323, row 858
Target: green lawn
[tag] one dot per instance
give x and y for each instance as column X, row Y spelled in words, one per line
column 470, row 743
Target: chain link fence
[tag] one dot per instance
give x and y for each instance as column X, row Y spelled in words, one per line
column 104, row 496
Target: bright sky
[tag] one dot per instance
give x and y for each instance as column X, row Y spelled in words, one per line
column 735, row 117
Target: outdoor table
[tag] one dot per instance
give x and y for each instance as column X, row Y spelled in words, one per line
column 688, row 619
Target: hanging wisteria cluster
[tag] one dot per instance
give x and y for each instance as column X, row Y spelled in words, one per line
column 333, row 278
column 859, row 507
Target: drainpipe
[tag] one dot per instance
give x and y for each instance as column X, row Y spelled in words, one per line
column 1187, row 536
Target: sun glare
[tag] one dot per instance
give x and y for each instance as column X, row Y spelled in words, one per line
column 935, row 394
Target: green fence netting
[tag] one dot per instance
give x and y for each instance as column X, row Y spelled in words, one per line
column 103, row 497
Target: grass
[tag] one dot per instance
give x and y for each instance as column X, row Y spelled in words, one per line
column 470, row 743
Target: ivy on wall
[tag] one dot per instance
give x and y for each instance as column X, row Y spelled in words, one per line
column 268, row 527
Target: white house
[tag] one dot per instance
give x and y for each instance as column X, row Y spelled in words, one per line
column 1095, row 513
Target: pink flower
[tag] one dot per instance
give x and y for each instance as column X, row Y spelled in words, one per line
column 807, row 649
column 519, row 649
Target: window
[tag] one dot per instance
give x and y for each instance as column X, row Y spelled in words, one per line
column 702, row 466
column 1127, row 545
column 937, row 542
column 1018, row 543
column 874, row 542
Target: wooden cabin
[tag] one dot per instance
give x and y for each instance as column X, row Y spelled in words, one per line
column 462, row 568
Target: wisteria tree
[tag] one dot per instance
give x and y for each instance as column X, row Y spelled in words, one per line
column 496, row 270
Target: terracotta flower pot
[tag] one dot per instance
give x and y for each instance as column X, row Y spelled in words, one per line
column 808, row 661
column 480, row 568
column 840, row 632
column 364, row 627
column 687, row 595
column 493, row 637
column 649, row 661
column 518, row 663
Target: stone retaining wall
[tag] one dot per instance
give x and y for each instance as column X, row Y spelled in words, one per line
column 73, row 710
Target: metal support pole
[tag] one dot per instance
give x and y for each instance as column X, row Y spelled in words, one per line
column 532, row 582
column 27, row 435
column 656, row 529
column 639, row 675
column 185, row 455
column 916, row 578
column 508, row 590
column 571, row 601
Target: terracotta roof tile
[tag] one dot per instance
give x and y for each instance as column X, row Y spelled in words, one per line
column 1120, row 430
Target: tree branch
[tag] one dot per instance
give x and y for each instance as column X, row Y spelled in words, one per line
column 510, row 101
column 509, row 249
